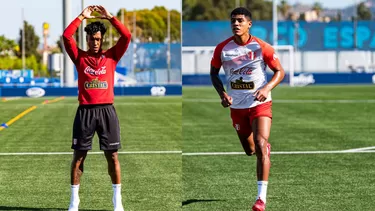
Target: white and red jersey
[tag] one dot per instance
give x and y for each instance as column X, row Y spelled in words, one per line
column 245, row 68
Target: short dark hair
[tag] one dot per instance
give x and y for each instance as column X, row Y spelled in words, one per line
column 94, row 27
column 241, row 11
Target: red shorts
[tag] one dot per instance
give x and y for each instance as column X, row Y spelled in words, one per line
column 242, row 119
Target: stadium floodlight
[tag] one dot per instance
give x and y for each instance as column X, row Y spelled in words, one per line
column 23, row 40
column 68, row 69
column 274, row 22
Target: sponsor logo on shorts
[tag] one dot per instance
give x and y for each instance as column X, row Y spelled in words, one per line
column 96, row 84
column 74, row 141
column 116, row 143
column 237, row 126
column 240, row 84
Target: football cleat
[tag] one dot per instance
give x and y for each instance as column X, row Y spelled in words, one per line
column 259, row 205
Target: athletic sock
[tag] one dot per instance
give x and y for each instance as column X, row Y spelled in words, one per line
column 262, row 190
column 117, row 203
column 74, row 199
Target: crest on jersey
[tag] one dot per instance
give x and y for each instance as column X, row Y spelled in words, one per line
column 251, row 55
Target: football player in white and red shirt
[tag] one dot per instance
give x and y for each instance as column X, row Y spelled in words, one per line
column 244, row 59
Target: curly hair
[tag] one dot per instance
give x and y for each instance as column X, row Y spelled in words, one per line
column 241, row 11
column 94, row 27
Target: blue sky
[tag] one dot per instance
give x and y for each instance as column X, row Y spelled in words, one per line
column 38, row 11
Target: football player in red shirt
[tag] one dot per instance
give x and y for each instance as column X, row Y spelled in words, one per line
column 96, row 113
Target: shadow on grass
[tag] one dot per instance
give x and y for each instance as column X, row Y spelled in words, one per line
column 190, row 201
column 41, row 209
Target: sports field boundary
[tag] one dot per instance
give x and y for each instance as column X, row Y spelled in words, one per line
column 89, row 153
column 354, row 150
column 347, row 151
column 278, row 153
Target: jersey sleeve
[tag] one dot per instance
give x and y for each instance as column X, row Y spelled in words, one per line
column 216, row 58
column 122, row 44
column 270, row 57
column 69, row 42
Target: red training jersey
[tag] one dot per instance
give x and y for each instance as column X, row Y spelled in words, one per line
column 96, row 71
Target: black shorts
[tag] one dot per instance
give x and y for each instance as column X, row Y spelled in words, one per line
column 100, row 118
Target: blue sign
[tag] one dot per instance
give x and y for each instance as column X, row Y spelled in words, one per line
column 311, row 36
column 12, row 74
column 149, row 90
column 299, row 79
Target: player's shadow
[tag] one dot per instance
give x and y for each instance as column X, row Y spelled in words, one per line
column 42, row 209
column 190, row 201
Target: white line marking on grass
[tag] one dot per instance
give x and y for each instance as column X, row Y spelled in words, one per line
column 287, row 101
column 357, row 150
column 93, row 153
column 6, row 99
column 122, row 103
column 360, row 149
column 279, row 153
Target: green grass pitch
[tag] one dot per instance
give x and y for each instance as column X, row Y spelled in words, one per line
column 312, row 118
column 305, row 119
column 41, row 182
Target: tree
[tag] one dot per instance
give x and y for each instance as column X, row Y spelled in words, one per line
column 317, row 7
column 7, row 46
column 151, row 25
column 339, row 16
column 284, row 8
column 363, row 12
column 260, row 9
column 302, row 17
column 220, row 9
column 31, row 42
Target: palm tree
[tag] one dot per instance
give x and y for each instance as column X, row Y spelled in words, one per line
column 284, row 7
column 364, row 13
column 317, row 7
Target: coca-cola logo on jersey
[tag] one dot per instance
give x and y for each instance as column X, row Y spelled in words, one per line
column 242, row 71
column 100, row 71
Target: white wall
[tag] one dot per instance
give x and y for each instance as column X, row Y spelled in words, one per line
column 198, row 61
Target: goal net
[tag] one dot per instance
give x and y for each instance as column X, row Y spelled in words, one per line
column 286, row 57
